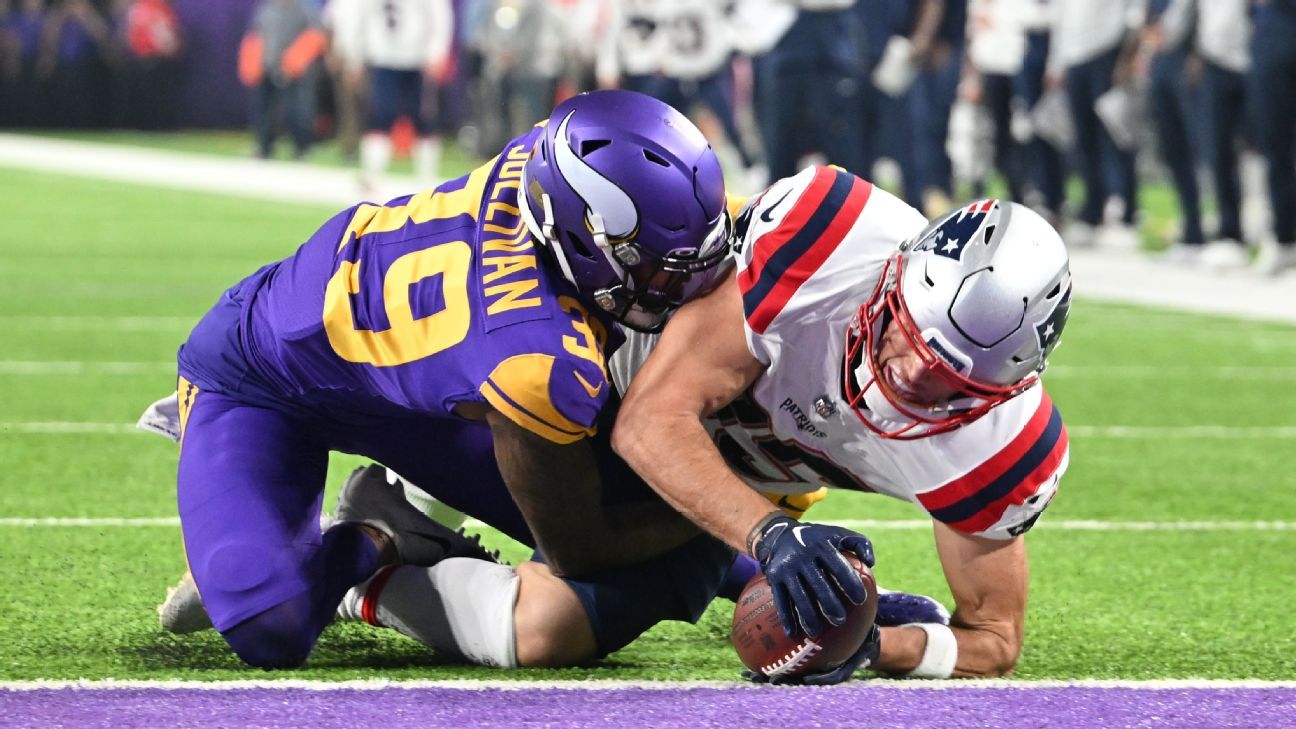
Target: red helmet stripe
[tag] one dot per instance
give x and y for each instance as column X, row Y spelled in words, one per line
column 788, row 256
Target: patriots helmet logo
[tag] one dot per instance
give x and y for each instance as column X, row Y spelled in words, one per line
column 952, row 237
column 1050, row 329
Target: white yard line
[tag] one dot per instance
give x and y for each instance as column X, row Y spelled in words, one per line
column 67, row 428
column 1116, row 432
column 1183, row 432
column 611, row 684
column 82, row 367
column 1234, row 372
column 126, row 323
column 1126, row 372
column 1077, row 525
column 292, row 182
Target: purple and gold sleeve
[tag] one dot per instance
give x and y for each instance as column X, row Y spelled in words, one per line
column 554, row 396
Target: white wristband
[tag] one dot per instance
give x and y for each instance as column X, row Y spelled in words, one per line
column 941, row 652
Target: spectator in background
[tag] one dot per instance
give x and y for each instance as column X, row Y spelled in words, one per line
column 1223, row 42
column 936, row 30
column 808, row 92
column 629, row 51
column 405, row 45
column 1092, row 52
column 687, row 62
column 525, row 45
column 996, row 51
column 1045, row 165
column 73, row 45
column 149, row 38
column 1165, row 49
column 1273, row 100
column 345, row 62
column 276, row 60
column 585, row 21
column 10, row 63
column 25, row 96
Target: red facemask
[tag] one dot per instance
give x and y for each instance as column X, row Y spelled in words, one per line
column 907, row 420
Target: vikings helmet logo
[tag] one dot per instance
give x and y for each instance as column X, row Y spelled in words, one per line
column 601, row 195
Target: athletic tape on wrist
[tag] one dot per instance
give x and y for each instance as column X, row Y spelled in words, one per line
column 939, row 656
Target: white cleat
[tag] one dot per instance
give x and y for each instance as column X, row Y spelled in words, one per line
column 1274, row 259
column 182, row 611
column 1225, row 255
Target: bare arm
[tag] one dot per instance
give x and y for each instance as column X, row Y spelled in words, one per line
column 700, row 364
column 558, row 490
column 989, row 582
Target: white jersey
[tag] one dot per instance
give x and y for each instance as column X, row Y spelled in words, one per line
column 683, row 39
column 813, row 251
column 698, row 39
column 397, row 34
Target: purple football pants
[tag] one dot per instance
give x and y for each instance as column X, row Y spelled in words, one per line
column 251, row 482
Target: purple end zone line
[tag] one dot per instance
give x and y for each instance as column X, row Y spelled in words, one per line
column 1079, row 706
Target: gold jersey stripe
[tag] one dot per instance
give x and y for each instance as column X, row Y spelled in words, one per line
column 519, row 389
column 186, row 393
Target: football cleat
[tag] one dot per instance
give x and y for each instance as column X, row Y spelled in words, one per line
column 369, row 498
column 182, row 611
column 902, row 608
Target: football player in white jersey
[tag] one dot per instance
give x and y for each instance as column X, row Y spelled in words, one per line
column 402, row 44
column 840, row 357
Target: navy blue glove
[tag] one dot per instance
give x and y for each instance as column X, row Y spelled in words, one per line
column 865, row 657
column 806, row 570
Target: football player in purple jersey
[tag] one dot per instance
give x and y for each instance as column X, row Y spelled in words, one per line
column 459, row 336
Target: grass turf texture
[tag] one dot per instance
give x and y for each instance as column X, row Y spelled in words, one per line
column 78, row 602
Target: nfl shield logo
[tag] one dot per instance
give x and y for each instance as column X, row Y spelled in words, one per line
column 825, row 406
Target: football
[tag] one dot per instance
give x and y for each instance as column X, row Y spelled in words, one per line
column 765, row 647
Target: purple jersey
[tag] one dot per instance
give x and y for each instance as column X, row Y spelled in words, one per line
column 413, row 307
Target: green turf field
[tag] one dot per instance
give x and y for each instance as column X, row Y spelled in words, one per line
column 102, row 282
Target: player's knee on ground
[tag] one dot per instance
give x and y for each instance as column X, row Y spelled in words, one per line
column 280, row 637
column 550, row 622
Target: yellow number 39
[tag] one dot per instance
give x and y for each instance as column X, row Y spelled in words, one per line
column 408, row 339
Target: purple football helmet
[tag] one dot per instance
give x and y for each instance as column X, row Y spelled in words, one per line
column 628, row 196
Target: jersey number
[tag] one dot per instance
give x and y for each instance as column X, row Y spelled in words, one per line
column 767, row 459
column 406, row 339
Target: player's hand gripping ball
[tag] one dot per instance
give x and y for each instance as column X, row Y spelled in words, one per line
column 767, row 649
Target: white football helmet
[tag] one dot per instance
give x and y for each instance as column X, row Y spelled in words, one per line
column 981, row 295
